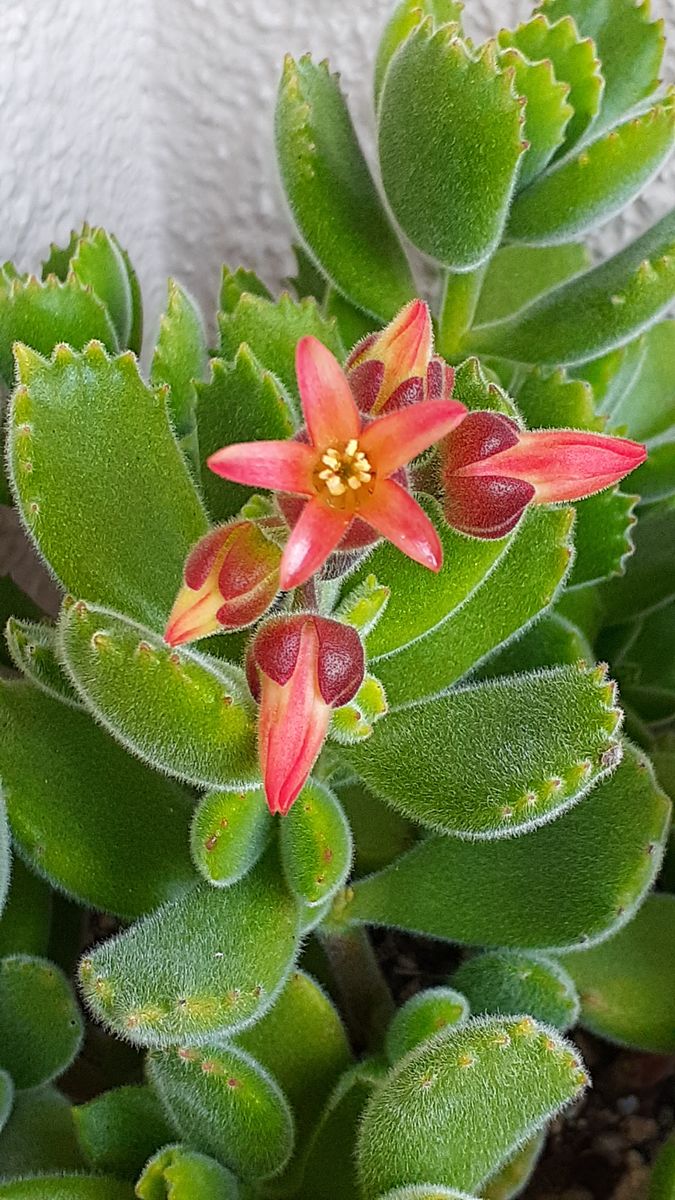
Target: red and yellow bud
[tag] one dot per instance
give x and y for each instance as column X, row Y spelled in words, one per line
column 396, row 367
column 299, row 668
column 231, row 578
column 491, row 470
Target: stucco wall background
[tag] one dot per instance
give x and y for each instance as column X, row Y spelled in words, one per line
column 154, row 118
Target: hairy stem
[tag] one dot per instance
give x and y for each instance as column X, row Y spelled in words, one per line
column 365, row 1000
column 460, row 297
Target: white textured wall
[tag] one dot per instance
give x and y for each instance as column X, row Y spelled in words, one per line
column 154, row 117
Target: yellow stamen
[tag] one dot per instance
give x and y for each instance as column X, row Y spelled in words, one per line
column 344, row 471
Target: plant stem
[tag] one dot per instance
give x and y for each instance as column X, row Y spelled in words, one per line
column 365, row 1000
column 458, row 308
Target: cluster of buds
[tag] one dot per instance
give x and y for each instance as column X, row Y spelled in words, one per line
column 343, row 484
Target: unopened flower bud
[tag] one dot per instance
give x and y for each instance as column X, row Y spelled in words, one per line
column 299, row 668
column 231, row 578
column 397, row 367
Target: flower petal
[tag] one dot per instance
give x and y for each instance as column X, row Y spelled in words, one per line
column 393, row 512
column 395, row 439
column 277, row 466
column 315, row 535
column 564, row 464
column 330, row 411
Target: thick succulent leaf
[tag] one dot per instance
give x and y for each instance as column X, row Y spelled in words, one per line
column 353, row 324
column 380, row 834
column 515, row 1174
column 662, row 1182
column 429, row 1121
column 67, row 1187
column 45, row 314
column 549, row 642
column 551, row 761
column 39, row 1136
column 40, row 1024
column 242, row 402
column 547, row 112
column 65, row 780
column 332, row 195
column 626, row 984
column 33, row 648
column 206, row 964
column 619, row 298
column 422, row 1017
column 474, row 388
column 316, row 845
column 302, row 1043
column 330, row 1169
column 5, row 857
column 14, row 603
column 221, row 1102
column 591, row 185
column 637, row 394
column 6, row 1097
column 88, row 443
column 450, row 140
column 508, row 983
column 233, row 284
column 629, row 45
column 135, row 338
column 648, row 580
column 98, row 263
column 119, row 1130
column 180, row 1173
column 425, row 1192
column 182, row 712
column 517, row 275
column 405, row 17
column 178, row 360
column 523, row 583
column 655, row 479
column 646, row 664
column 518, row 892
column 550, row 399
column 229, row 833
column 26, row 917
column 272, row 330
column 574, row 62
column 603, row 536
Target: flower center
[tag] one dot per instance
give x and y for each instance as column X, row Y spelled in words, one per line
column 344, row 470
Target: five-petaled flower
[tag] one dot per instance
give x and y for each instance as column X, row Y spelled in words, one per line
column 299, row 667
column 491, row 470
column 346, row 467
column 231, row 578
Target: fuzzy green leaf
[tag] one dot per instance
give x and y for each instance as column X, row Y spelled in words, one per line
column 44, row 314
column 331, row 192
column 233, row 285
column 637, row 395
column 302, row 1043
column 223, row 1104
column 119, row 1130
column 88, row 443
column 547, row 112
column 26, row 917
column 429, row 1121
column 6, row 1097
column 14, row 603
column 523, row 583
column 353, row 324
column 450, row 139
column 5, row 858
column 330, row 1169
column 65, row 780
column 39, row 1136
column 603, row 536
column 569, row 883
column 662, row 1182
column 591, row 185
column 40, row 1024
column 549, row 765
column 34, row 651
column 508, row 983
column 655, row 479
column 619, row 298
column 646, row 664
column 626, row 984
column 405, row 17
column 648, row 580
column 551, row 400
column 272, row 330
column 67, row 1187
column 242, row 402
column 207, row 964
column 425, row 1192
column 629, row 45
column 574, row 62
column 316, row 845
column 180, row 711
column 517, row 275
column 380, row 834
column 98, row 263
column 228, row 835
column 135, row 338
column 515, row 1174
column 178, row 1173
column 180, row 359
column 551, row 641
column 422, row 1017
